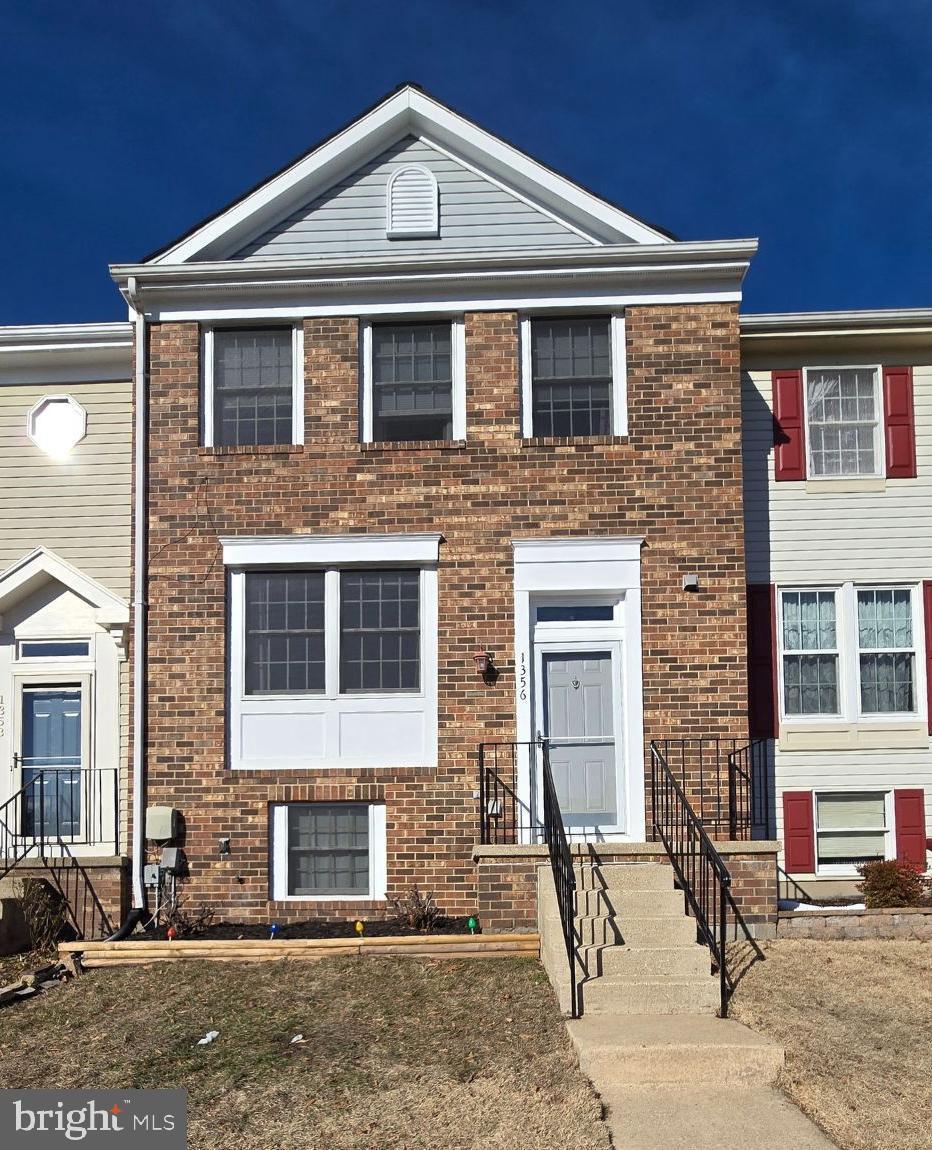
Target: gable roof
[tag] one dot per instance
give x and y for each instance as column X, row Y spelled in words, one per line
column 42, row 565
column 408, row 111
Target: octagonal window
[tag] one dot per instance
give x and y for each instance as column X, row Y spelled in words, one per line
column 57, row 424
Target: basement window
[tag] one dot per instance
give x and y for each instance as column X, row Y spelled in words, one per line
column 333, row 851
column 851, row 828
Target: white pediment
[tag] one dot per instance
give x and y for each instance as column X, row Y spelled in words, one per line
column 332, row 200
column 40, row 567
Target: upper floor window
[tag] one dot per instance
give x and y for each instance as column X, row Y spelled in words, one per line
column 843, row 416
column 253, row 394
column 574, row 376
column 849, row 651
column 413, row 382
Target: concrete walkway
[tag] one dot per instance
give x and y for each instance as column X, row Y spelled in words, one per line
column 690, row 1082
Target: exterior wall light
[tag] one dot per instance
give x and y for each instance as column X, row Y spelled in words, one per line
column 485, row 663
column 56, row 424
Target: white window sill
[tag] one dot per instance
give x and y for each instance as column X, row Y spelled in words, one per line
column 842, row 485
column 326, row 898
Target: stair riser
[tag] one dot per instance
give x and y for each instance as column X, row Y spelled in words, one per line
column 597, row 932
column 676, row 962
column 694, row 1066
column 605, row 997
column 630, row 903
column 657, row 931
column 631, row 877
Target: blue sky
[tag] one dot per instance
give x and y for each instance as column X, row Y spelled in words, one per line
column 803, row 122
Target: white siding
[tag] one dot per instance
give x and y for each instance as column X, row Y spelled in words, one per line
column 350, row 218
column 799, row 535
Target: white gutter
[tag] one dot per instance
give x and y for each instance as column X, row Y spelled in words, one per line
column 139, row 599
column 889, row 320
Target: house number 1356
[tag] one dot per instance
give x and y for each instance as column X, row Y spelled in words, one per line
column 522, row 679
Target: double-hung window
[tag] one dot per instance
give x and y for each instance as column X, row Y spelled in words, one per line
column 851, row 828
column 843, row 417
column 413, row 382
column 886, row 651
column 252, row 386
column 810, row 653
column 332, row 851
column 849, row 652
column 573, row 376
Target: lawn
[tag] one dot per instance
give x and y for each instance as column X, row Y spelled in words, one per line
column 856, row 1021
column 396, row 1053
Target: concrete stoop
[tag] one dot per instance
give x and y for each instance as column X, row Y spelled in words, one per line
column 670, row 1073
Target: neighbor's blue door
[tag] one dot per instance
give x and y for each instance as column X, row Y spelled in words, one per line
column 51, row 760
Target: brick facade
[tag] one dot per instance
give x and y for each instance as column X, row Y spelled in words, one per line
column 676, row 479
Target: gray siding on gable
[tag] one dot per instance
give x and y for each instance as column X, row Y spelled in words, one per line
column 350, row 218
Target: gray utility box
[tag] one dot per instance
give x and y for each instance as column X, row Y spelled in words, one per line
column 161, row 823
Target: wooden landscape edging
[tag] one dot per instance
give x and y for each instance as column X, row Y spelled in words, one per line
column 99, row 954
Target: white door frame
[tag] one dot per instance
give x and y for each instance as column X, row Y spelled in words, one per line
column 574, row 644
column 579, row 570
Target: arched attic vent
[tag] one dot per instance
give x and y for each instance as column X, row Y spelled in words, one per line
column 411, row 203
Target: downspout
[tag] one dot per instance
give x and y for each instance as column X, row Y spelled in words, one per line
column 139, row 598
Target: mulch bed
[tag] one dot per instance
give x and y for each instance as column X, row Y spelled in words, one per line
column 311, row 928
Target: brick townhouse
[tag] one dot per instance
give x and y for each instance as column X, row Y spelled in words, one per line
column 450, row 479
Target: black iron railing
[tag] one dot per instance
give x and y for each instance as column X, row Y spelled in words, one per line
column 727, row 782
column 57, row 807
column 699, row 869
column 506, row 771
column 564, row 876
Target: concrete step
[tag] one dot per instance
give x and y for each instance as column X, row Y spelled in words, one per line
column 615, row 994
column 625, row 876
column 694, row 1051
column 651, row 962
column 669, row 1118
column 629, row 902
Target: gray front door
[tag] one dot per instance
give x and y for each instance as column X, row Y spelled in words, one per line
column 51, row 761
column 578, row 722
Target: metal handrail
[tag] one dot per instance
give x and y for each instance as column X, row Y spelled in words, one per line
column 564, row 876
column 504, row 818
column 31, row 820
column 699, row 869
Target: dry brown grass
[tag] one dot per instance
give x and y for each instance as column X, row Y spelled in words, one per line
column 398, row 1053
column 856, row 1021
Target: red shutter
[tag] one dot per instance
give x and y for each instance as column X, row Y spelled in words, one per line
column 909, row 818
column 898, row 423
column 762, row 660
column 789, row 430
column 798, row 832
column 927, row 616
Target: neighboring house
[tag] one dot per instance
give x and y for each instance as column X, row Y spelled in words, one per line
column 65, row 448
column 839, row 551
column 442, row 470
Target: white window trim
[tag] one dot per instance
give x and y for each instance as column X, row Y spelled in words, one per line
column 378, row 858
column 333, row 554
column 849, row 680
column 458, row 366
column 619, row 375
column 843, row 870
column 880, row 469
column 207, row 379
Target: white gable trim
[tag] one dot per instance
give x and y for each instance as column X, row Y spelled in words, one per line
column 42, row 565
column 407, row 112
